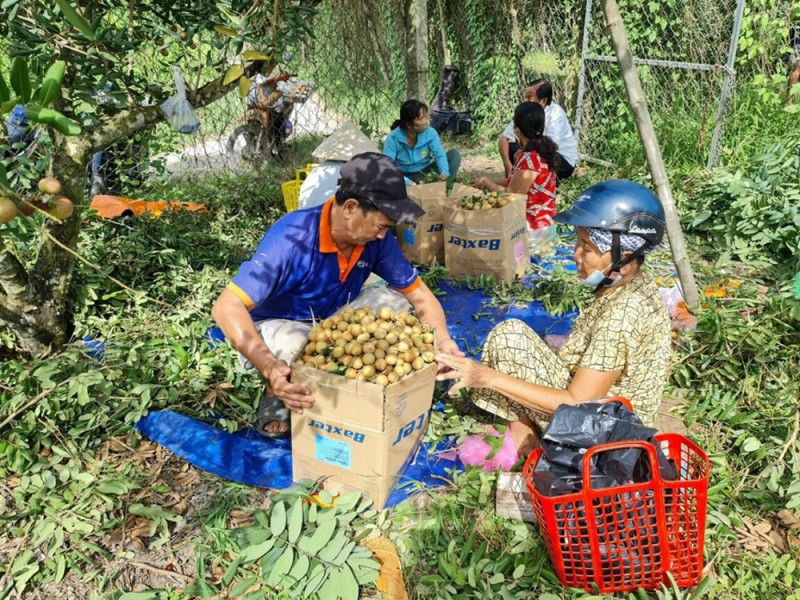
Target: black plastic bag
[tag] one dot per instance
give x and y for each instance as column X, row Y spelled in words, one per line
column 576, row 428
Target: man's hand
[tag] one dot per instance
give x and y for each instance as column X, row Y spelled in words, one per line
column 295, row 397
column 507, row 166
column 450, row 348
column 443, row 177
column 463, row 372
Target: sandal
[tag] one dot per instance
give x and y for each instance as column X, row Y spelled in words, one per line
column 270, row 409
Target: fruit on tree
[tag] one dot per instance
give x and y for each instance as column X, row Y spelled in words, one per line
column 49, row 185
column 61, row 208
column 8, row 210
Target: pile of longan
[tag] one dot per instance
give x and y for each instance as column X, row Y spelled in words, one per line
column 486, row 201
column 360, row 344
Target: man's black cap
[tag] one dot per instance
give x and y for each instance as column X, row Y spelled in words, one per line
column 377, row 179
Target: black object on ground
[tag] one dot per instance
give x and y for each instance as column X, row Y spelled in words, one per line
column 445, row 119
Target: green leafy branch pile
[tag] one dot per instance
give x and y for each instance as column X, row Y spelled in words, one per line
column 560, row 292
column 458, row 548
column 300, row 548
column 753, row 214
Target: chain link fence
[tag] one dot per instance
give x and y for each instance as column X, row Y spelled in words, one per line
column 681, row 51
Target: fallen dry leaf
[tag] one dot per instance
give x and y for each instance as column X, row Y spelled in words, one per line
column 790, row 518
column 764, row 535
column 390, row 579
column 240, row 518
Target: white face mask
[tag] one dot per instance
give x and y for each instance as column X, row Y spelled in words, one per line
column 597, row 277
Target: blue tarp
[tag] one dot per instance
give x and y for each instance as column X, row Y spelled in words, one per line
column 249, row 458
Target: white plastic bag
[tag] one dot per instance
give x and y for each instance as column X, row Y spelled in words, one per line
column 179, row 112
column 542, row 241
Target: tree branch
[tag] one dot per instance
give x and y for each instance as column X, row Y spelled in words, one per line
column 127, row 122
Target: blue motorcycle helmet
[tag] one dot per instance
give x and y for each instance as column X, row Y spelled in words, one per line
column 620, row 207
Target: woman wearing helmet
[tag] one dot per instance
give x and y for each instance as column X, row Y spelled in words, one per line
column 619, row 345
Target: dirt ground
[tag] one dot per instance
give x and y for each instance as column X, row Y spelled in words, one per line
column 482, row 166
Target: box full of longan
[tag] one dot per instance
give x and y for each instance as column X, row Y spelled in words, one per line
column 423, row 239
column 486, row 234
column 372, row 376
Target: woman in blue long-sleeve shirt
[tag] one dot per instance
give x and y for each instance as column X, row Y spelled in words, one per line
column 416, row 147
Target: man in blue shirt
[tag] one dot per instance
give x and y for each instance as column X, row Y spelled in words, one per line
column 312, row 262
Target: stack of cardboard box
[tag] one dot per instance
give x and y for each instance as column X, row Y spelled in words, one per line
column 423, row 240
column 481, row 242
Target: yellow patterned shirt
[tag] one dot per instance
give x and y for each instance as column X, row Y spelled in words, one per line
column 627, row 330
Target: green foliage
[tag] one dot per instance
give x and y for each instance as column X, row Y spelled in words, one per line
column 753, row 214
column 299, row 548
column 738, row 370
column 57, row 412
column 458, row 548
column 560, row 292
column 493, row 73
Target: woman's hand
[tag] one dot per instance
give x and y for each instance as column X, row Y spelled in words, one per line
column 481, row 183
column 464, row 373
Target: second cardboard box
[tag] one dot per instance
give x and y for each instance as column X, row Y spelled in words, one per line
column 486, row 242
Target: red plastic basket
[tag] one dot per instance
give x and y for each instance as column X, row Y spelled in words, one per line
column 634, row 534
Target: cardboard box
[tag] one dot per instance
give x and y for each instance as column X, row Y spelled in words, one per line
column 486, row 242
column 359, row 435
column 423, row 240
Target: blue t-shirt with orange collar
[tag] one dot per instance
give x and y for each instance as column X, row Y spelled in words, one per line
column 298, row 273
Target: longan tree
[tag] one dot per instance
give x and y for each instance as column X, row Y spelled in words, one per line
column 56, row 57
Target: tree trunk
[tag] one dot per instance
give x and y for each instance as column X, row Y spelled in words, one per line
column 652, row 151
column 417, row 50
column 34, row 305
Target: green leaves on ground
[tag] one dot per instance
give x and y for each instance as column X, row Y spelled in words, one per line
column 307, row 549
column 457, row 548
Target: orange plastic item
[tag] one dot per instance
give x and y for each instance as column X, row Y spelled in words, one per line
column 110, row 207
column 720, row 289
column 634, row 534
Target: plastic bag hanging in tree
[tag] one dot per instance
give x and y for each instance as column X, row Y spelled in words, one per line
column 179, row 112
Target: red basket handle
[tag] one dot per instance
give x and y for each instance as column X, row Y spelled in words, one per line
column 621, row 399
column 600, row 448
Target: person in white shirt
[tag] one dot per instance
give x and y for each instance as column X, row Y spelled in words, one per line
column 323, row 180
column 556, row 127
